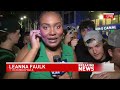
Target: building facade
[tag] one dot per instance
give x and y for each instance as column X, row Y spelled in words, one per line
column 106, row 25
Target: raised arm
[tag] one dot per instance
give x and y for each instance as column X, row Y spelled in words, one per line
column 26, row 56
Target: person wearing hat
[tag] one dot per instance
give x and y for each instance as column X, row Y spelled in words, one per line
column 9, row 36
column 97, row 47
column 114, row 52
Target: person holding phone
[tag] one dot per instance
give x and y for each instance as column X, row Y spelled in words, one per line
column 71, row 38
column 44, row 44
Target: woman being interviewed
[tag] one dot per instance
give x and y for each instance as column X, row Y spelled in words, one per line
column 45, row 43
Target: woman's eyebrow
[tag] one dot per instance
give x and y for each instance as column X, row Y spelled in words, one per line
column 45, row 24
column 49, row 24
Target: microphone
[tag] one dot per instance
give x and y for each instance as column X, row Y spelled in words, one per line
column 57, row 58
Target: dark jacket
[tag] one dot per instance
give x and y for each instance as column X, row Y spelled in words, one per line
column 5, row 56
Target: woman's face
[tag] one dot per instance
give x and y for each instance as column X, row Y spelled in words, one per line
column 51, row 29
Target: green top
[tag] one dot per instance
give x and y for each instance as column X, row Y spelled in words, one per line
column 67, row 53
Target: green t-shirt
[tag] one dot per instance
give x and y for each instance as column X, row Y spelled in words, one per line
column 67, row 53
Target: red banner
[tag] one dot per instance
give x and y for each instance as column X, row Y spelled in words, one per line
column 108, row 15
column 40, row 67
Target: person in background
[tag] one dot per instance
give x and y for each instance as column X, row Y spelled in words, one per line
column 71, row 38
column 26, row 38
column 114, row 52
column 45, row 43
column 97, row 47
column 9, row 36
column 81, row 50
column 79, row 47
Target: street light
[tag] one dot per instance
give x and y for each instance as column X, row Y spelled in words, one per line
column 101, row 16
column 21, row 20
column 24, row 17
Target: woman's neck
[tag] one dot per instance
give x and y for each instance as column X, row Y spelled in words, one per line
column 53, row 52
column 57, row 48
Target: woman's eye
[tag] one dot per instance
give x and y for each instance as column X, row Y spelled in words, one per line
column 58, row 27
column 45, row 28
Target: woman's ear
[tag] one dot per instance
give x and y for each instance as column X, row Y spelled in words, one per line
column 110, row 52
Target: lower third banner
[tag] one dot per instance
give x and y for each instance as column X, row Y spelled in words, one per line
column 67, row 67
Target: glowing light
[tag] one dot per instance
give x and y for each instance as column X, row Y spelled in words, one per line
column 100, row 16
column 21, row 18
column 24, row 17
column 114, row 18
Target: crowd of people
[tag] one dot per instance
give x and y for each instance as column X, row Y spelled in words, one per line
column 52, row 39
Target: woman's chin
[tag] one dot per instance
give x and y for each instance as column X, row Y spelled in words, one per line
column 53, row 45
